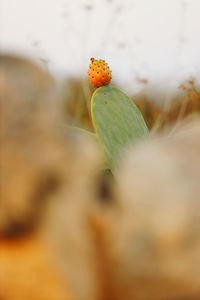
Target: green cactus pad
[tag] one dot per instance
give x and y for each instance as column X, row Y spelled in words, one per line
column 117, row 121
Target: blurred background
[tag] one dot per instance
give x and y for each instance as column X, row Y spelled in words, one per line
column 156, row 41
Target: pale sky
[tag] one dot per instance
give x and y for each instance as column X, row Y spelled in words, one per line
column 158, row 40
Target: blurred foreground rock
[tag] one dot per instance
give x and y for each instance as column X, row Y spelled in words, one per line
column 68, row 230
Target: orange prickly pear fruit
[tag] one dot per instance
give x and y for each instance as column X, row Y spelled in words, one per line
column 99, row 73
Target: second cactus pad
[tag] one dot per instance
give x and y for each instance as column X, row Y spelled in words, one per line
column 117, row 121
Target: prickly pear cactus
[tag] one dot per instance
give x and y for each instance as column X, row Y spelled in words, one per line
column 117, row 121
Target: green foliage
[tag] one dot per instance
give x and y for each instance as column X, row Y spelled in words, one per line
column 117, row 121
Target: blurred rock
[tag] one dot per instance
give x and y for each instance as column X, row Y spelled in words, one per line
column 42, row 164
column 157, row 234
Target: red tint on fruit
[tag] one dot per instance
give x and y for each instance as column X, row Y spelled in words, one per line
column 99, row 73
